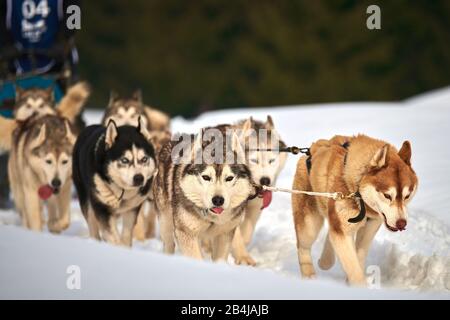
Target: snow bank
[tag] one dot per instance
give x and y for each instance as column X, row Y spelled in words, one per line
column 35, row 266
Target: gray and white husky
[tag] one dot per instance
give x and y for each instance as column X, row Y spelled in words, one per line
column 39, row 168
column 265, row 166
column 201, row 200
column 40, row 102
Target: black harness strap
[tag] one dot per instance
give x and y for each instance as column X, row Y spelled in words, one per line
column 308, row 164
column 362, row 210
column 362, row 207
column 293, row 150
column 345, row 145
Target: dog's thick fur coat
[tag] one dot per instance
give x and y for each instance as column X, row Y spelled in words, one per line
column 200, row 202
column 384, row 178
column 113, row 171
column 41, row 156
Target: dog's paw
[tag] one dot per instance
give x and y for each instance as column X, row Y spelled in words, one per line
column 326, row 264
column 139, row 234
column 245, row 260
column 57, row 226
column 308, row 271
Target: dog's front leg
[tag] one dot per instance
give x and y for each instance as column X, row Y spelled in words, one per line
column 109, row 231
column 33, row 212
column 52, row 209
column 150, row 222
column 93, row 224
column 188, row 243
column 344, row 246
column 364, row 238
column 60, row 220
column 129, row 221
column 239, row 251
column 64, row 206
column 139, row 228
column 251, row 217
column 221, row 245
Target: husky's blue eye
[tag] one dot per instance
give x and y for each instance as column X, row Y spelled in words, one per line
column 144, row 159
column 254, row 160
column 124, row 161
column 229, row 178
column 206, row 178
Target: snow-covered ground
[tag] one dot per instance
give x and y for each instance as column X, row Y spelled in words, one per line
column 412, row 264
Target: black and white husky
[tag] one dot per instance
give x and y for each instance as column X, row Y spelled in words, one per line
column 113, row 169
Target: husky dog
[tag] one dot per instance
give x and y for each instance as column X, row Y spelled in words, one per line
column 35, row 101
column 201, row 200
column 39, row 168
column 265, row 166
column 385, row 181
column 126, row 111
column 113, row 169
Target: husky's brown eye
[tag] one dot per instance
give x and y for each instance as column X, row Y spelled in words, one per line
column 387, row 196
column 229, row 178
column 271, row 161
column 124, row 161
column 407, row 196
column 206, row 178
column 48, row 161
column 144, row 159
column 64, row 161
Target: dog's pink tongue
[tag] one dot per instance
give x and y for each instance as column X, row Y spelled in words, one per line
column 267, row 198
column 217, row 210
column 45, row 192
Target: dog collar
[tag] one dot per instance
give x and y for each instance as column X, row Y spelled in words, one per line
column 121, row 195
column 362, row 209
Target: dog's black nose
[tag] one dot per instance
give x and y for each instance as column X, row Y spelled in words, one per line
column 138, row 179
column 218, row 201
column 265, row 181
column 56, row 183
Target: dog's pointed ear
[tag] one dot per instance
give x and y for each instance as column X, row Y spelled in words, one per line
column 137, row 95
column 40, row 138
column 142, row 128
column 269, row 123
column 237, row 148
column 19, row 92
column 247, row 125
column 111, row 134
column 69, row 134
column 113, row 96
column 405, row 152
column 379, row 160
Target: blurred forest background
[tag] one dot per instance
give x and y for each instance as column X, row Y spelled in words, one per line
column 193, row 56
